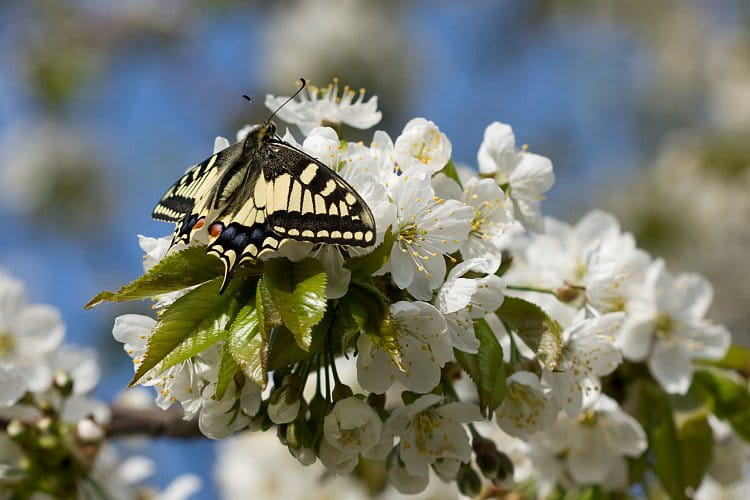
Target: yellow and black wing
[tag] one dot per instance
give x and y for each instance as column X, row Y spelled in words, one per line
column 197, row 193
column 292, row 196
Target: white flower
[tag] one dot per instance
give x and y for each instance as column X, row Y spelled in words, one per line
column 669, row 328
column 220, row 418
column 429, row 430
column 404, row 481
column 462, row 300
column 527, row 175
column 589, row 352
column 352, row 426
column 729, row 456
column 426, row 230
column 526, row 407
column 27, row 334
column 320, row 106
column 591, row 449
column 337, row 460
column 415, row 333
column 78, row 363
column 422, row 145
column 155, row 249
column 178, row 383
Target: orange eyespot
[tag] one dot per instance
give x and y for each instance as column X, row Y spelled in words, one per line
column 201, row 222
column 215, row 229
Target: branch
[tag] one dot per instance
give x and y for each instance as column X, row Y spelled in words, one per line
column 150, row 422
column 136, row 422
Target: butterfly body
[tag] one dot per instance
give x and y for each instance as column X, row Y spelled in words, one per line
column 252, row 197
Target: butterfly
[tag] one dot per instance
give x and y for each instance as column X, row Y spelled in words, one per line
column 257, row 194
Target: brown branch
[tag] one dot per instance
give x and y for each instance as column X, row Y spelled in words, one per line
column 150, row 422
column 136, row 422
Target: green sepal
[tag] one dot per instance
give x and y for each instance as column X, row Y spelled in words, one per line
column 450, row 171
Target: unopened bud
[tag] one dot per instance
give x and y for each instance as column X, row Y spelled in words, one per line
column 493, row 464
column 569, row 293
column 15, row 429
column 300, row 442
column 283, row 405
column 89, row 432
column 63, row 382
column 468, row 481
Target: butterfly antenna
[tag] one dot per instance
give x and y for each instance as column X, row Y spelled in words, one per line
column 301, row 87
column 247, row 98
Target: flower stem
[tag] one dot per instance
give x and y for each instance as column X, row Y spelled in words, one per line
column 530, row 289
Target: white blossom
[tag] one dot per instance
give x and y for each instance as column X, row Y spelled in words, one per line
column 426, row 229
column 668, row 328
column 590, row 449
column 527, row 406
column 325, row 105
column 430, row 430
column 27, row 333
column 335, row 459
column 589, row 352
column 352, row 426
column 415, row 333
column 422, row 146
column 527, row 175
column 462, row 300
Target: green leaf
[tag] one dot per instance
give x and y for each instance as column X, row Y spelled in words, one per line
column 450, row 170
column 363, row 266
column 538, row 331
column 191, row 324
column 184, row 269
column 663, row 440
column 284, row 351
column 227, row 370
column 696, row 443
column 297, row 291
column 729, row 397
column 247, row 345
column 486, row 368
column 268, row 315
column 737, row 358
column 344, row 326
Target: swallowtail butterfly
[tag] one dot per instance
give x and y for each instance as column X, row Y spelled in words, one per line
column 255, row 195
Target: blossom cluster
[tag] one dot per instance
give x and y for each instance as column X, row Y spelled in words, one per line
column 476, row 338
column 53, row 445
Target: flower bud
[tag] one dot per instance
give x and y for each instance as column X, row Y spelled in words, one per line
column 63, row 382
column 468, row 481
column 284, row 404
column 493, row 464
column 300, row 442
column 89, row 432
column 569, row 293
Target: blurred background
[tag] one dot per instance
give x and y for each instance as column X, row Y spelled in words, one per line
column 643, row 107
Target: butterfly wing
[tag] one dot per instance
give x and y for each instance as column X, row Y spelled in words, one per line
column 197, row 192
column 289, row 195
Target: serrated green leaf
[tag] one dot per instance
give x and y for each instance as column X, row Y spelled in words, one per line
column 184, row 269
column 486, row 368
column 344, row 326
column 247, row 345
column 538, row 331
column 268, row 315
column 363, row 266
column 297, row 291
column 728, row 396
column 450, row 170
column 191, row 324
column 663, row 441
column 227, row 370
